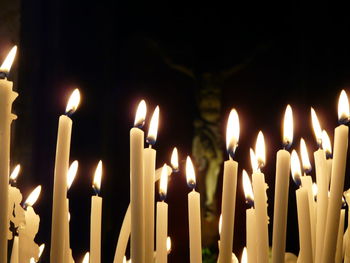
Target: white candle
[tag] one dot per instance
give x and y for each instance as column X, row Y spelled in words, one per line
column 162, row 219
column 7, row 96
column 337, row 183
column 150, row 167
column 260, row 202
column 96, row 218
column 194, row 215
column 229, row 190
column 137, row 245
column 281, row 191
column 339, row 251
column 59, row 206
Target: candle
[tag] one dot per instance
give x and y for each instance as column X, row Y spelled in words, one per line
column 137, row 245
column 282, row 190
column 96, row 217
column 150, row 167
column 59, row 204
column 339, row 250
column 229, row 186
column 250, row 219
column 337, row 183
column 27, row 248
column 162, row 219
column 7, row 96
column 72, row 171
column 305, row 238
column 194, row 215
column 259, row 187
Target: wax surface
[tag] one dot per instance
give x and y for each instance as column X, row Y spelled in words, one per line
column 194, row 218
column 251, row 235
column 162, row 232
column 95, row 229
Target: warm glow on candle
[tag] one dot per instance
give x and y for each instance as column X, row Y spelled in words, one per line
column 168, row 245
column 73, row 101
column 247, row 187
column 304, row 156
column 316, row 126
column 15, row 172
column 86, row 258
column 175, row 159
column 232, row 132
column 33, row 197
column 326, row 143
column 72, row 172
column 343, row 107
column 98, row 177
column 6, row 65
column 288, row 127
column 244, row 258
column 253, row 161
column 140, row 114
column 260, row 150
column 314, row 189
column 153, row 127
column 163, row 182
column 295, row 167
column 220, row 224
column 190, row 174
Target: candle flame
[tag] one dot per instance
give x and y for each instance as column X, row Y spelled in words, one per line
column 343, row 108
column 41, row 250
column 232, row 132
column 260, row 150
column 247, row 187
column 33, row 197
column 140, row 114
column 98, row 177
column 316, row 126
column 153, row 127
column 86, row 258
column 190, row 174
column 15, row 172
column 254, row 161
column 163, row 183
column 220, row 224
column 73, row 102
column 175, row 159
column 6, row 65
column 72, row 172
column 288, row 127
column 295, row 168
column 124, row 259
column 244, row 258
column 305, row 157
column 326, row 143
column 314, row 189
column 168, row 245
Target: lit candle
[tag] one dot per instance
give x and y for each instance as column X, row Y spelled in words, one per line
column 59, row 204
column 250, row 219
column 72, row 171
column 137, row 245
column 259, row 187
column 337, row 180
column 27, row 248
column 327, row 146
column 150, row 168
column 162, row 219
column 282, row 190
column 96, row 217
column 194, row 215
column 7, row 96
column 339, row 251
column 229, row 186
column 305, row 238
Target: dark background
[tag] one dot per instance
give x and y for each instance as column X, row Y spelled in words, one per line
column 114, row 53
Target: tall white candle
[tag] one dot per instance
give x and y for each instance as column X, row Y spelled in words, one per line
column 59, row 206
column 137, row 245
column 150, row 167
column 281, row 191
column 194, row 215
column 7, row 96
column 339, row 251
column 229, row 190
column 96, row 218
column 162, row 219
column 341, row 134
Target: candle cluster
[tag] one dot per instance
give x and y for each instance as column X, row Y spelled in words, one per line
column 321, row 216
